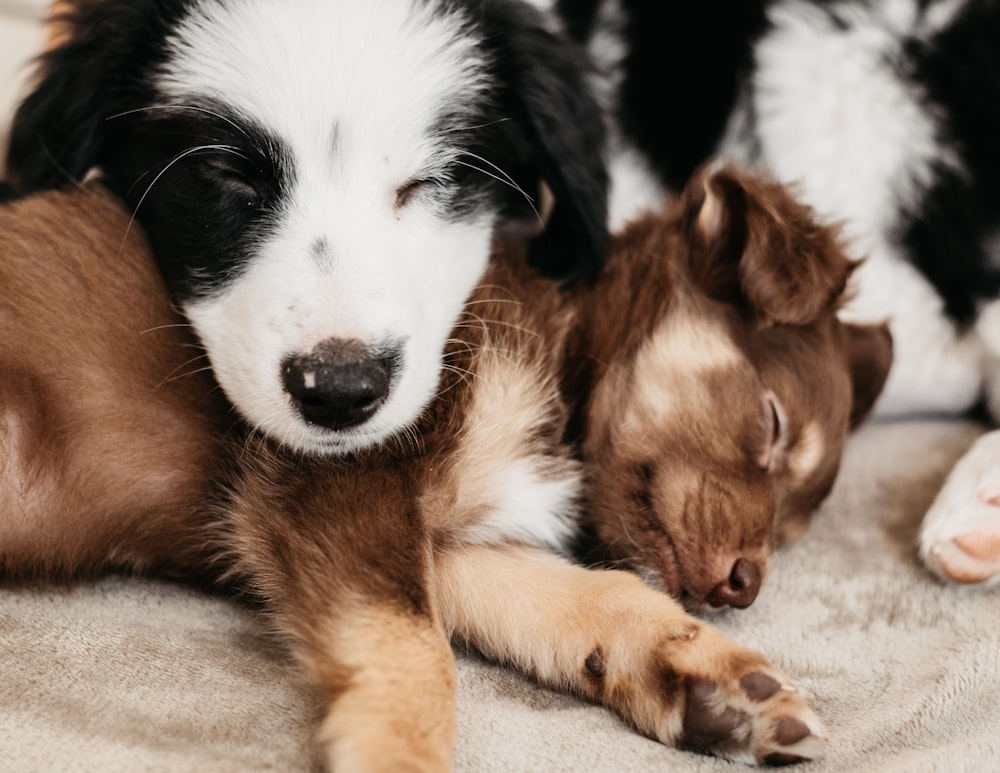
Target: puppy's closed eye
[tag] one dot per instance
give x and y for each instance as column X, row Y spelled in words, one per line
column 235, row 174
column 776, row 422
column 415, row 187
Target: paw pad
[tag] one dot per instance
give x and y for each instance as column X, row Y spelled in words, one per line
column 708, row 722
column 759, row 686
column 758, row 718
column 970, row 559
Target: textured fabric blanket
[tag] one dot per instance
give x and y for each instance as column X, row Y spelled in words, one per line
column 132, row 675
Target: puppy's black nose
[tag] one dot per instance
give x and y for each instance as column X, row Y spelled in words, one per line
column 740, row 588
column 339, row 384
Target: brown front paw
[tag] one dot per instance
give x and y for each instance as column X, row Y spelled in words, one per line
column 757, row 717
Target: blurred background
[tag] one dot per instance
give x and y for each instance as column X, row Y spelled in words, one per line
column 20, row 40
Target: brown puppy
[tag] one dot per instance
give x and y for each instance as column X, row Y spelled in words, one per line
column 368, row 564
column 725, row 386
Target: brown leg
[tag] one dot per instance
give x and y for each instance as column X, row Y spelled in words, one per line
column 390, row 680
column 340, row 558
column 605, row 635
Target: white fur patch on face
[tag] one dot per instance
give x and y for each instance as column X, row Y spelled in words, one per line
column 352, row 91
column 671, row 365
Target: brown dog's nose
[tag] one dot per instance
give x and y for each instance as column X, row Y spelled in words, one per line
column 740, row 588
column 339, row 384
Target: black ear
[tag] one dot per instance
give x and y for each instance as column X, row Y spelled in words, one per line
column 754, row 244
column 565, row 129
column 60, row 127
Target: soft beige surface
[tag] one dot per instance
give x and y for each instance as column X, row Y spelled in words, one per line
column 140, row 676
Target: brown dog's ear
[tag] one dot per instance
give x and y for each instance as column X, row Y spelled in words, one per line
column 869, row 358
column 754, row 244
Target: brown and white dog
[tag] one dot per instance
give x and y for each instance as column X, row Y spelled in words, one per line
column 111, row 450
column 724, row 387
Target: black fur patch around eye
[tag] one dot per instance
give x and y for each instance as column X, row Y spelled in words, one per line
column 215, row 173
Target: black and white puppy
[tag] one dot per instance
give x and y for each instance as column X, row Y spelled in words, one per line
column 886, row 115
column 322, row 180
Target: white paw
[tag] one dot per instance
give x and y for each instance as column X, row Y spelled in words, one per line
column 960, row 536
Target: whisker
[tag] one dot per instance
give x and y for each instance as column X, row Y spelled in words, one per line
column 185, row 374
column 508, row 181
column 408, row 436
column 501, row 172
column 477, row 126
column 485, row 324
column 174, row 326
column 459, row 370
column 180, row 156
column 225, row 148
column 628, row 534
column 58, row 166
column 193, row 108
column 174, row 376
column 465, row 377
column 512, row 301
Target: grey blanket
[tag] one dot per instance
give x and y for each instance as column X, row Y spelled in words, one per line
column 135, row 675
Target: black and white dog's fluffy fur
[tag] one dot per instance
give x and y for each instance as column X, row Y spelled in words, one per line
column 321, row 180
column 886, row 115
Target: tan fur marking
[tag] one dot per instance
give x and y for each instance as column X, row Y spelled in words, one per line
column 602, row 634
column 547, row 617
column 499, row 466
column 809, row 452
column 691, row 342
column 711, row 213
column 672, row 366
column 665, row 384
column 397, row 711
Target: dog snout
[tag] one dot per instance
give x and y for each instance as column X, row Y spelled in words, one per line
column 339, row 384
column 740, row 588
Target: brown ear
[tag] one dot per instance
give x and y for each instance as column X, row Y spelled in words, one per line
column 754, row 244
column 869, row 358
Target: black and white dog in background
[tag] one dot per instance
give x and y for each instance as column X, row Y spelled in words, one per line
column 321, row 180
column 886, row 115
